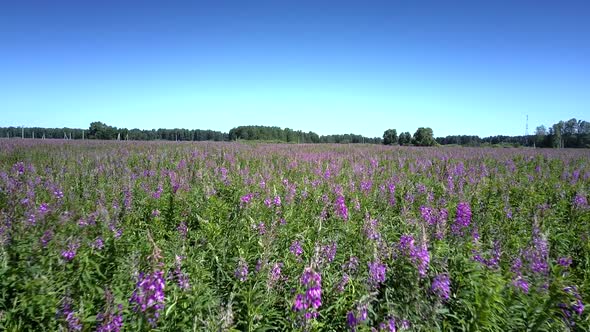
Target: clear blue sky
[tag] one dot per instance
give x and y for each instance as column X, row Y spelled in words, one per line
column 459, row 67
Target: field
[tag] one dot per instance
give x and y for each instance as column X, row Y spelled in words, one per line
column 128, row 236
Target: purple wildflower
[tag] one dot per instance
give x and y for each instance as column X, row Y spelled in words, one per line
column 462, row 219
column 428, row 215
column 296, row 249
column 340, row 207
column 277, row 201
column 351, row 265
column 181, row 278
column 351, row 320
column 70, row 253
column 275, row 273
column 311, row 300
column 328, row 252
column 377, row 272
column 242, row 270
column 422, row 259
column 520, row 283
column 371, row 230
column 72, row 319
column 261, row 227
column 46, row 237
column 388, row 326
column 182, row 229
column 111, row 321
column 343, row 282
column 245, row 200
column 98, row 243
column 43, row 208
column 581, row 202
column 564, row 261
column 441, row 286
column 148, row 296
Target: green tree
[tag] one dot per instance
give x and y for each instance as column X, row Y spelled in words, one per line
column 424, row 137
column 99, row 130
column 390, row 137
column 405, row 138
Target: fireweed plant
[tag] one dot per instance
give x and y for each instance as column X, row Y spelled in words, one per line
column 129, row 236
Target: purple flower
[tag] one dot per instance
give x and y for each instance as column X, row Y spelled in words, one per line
column 181, row 278
column 521, row 284
column 70, row 253
column 462, row 219
column 388, row 326
column 377, row 272
column 340, row 207
column 580, row 201
column 158, row 192
column 371, row 230
column 564, row 261
column 298, row 303
column 343, row 282
column 296, row 249
column 277, row 201
column 311, row 300
column 182, row 229
column 406, row 244
column 98, row 243
column 328, row 252
column 43, row 208
column 155, row 213
column 422, row 259
column 245, row 200
column 538, row 255
column 46, row 237
column 351, row 320
column 261, row 228
column 72, row 319
column 428, row 215
column 110, row 321
column 441, row 286
column 275, row 273
column 242, row 270
column 351, row 265
column 148, row 296
column 268, row 202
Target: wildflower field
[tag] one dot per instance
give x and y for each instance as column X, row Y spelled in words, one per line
column 128, row 236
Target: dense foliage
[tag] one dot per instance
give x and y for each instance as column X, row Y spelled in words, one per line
column 110, row 236
column 564, row 134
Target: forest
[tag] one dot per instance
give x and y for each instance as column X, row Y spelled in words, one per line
column 572, row 133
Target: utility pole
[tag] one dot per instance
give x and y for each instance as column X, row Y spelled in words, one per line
column 82, row 134
column 526, row 131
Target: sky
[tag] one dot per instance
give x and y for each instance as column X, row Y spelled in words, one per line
column 332, row 67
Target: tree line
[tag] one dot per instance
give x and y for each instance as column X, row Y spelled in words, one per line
column 102, row 131
column 99, row 130
column 288, row 135
column 572, row 133
column 423, row 136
